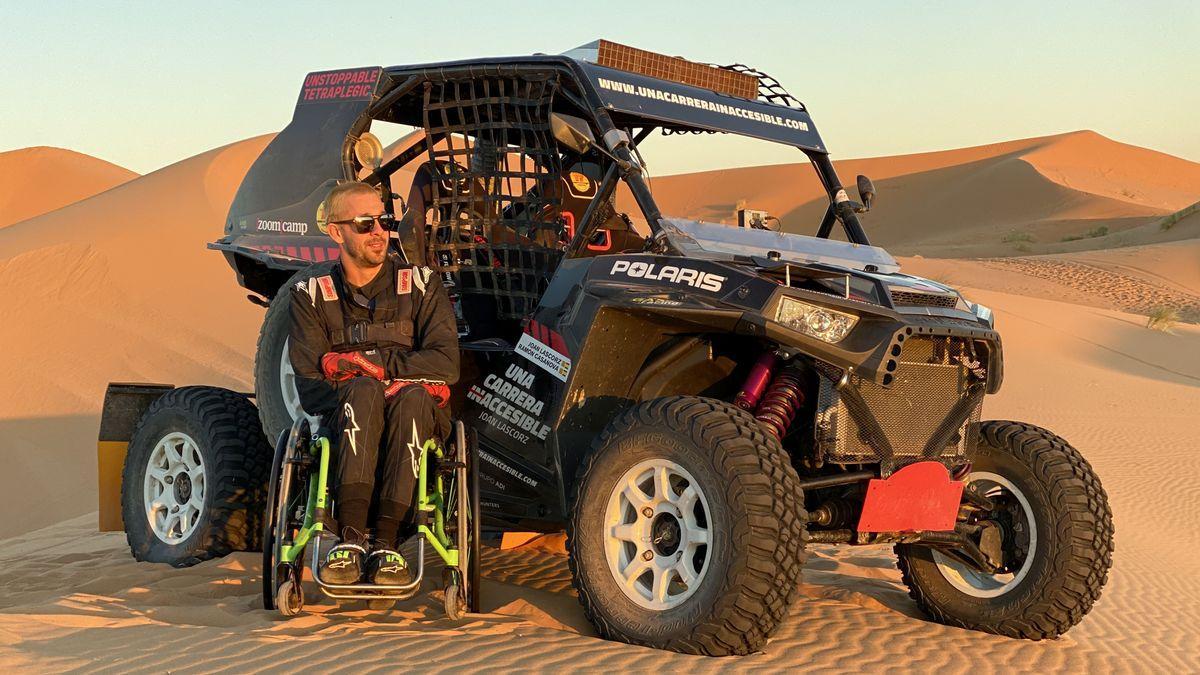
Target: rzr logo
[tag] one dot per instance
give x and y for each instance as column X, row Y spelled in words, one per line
column 680, row 275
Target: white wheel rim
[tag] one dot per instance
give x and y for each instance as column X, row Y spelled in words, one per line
column 980, row 584
column 287, row 385
column 174, row 488
column 657, row 536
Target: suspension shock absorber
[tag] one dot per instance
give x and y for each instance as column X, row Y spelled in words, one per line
column 780, row 402
column 756, row 382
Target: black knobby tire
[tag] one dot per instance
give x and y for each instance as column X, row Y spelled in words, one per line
column 756, row 527
column 268, row 357
column 236, row 459
column 1073, row 550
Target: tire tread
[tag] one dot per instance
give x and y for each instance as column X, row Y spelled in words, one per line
column 237, row 467
column 765, row 496
column 1073, row 489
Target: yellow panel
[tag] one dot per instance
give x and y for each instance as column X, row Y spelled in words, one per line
column 515, row 539
column 110, row 462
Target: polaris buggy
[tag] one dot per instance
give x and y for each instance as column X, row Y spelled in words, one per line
column 694, row 403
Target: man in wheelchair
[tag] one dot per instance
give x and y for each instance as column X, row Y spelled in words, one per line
column 374, row 346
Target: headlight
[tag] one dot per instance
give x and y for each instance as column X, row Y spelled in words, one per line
column 983, row 313
column 819, row 322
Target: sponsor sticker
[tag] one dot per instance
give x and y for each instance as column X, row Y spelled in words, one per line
column 339, row 85
column 508, row 406
column 403, row 282
column 544, row 357
column 723, row 108
column 281, row 226
column 581, row 185
column 328, row 291
column 657, row 302
column 706, row 281
column 503, row 466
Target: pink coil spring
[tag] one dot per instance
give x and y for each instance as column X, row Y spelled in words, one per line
column 780, row 403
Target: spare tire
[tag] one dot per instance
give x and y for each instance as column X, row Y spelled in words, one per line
column 274, row 383
column 195, row 476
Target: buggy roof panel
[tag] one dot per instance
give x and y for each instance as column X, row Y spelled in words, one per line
column 679, row 106
column 703, row 109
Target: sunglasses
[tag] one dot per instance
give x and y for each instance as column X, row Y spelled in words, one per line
column 364, row 224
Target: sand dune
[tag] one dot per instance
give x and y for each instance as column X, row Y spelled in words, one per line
column 38, row 180
column 120, row 287
column 963, row 202
column 73, row 599
column 115, row 288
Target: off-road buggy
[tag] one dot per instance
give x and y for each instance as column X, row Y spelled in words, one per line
column 694, row 403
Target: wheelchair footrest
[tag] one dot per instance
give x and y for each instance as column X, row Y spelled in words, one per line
column 371, row 591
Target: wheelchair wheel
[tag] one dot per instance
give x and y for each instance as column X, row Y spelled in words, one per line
column 280, row 519
column 290, row 597
column 462, row 583
column 455, row 602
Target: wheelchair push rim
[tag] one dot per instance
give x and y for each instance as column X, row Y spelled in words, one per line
column 275, row 521
column 463, row 580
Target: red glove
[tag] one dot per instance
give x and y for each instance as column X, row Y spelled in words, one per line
column 438, row 390
column 341, row 366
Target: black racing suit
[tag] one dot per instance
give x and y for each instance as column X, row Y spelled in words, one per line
column 405, row 314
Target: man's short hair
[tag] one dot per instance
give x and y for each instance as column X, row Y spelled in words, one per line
column 338, row 195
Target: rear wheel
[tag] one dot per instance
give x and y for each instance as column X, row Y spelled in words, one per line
column 687, row 529
column 274, row 381
column 281, row 515
column 194, row 477
column 1051, row 529
column 462, row 584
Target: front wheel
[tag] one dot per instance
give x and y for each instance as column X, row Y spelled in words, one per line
column 687, row 529
column 1050, row 527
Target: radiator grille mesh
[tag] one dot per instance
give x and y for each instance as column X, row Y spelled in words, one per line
column 916, row 299
column 936, row 391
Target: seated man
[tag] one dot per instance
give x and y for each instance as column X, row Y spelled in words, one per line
column 373, row 345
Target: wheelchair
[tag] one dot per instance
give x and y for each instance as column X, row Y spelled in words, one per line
column 299, row 505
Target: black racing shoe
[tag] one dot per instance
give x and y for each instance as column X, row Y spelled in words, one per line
column 343, row 564
column 387, row 567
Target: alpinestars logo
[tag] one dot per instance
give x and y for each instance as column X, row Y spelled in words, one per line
column 706, row 281
column 351, row 428
column 413, row 450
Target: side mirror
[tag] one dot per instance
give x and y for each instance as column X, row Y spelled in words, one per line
column 572, row 132
column 866, row 192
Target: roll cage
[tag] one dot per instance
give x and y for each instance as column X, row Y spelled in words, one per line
column 270, row 231
column 620, row 125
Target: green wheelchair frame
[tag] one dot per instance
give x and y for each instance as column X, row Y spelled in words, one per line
column 299, row 502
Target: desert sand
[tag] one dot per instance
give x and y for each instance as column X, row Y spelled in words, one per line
column 1033, row 193
column 116, row 288
column 119, row 287
column 38, row 180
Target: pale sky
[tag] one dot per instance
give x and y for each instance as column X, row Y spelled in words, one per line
column 145, row 84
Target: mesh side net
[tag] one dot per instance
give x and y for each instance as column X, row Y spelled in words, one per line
column 495, row 225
